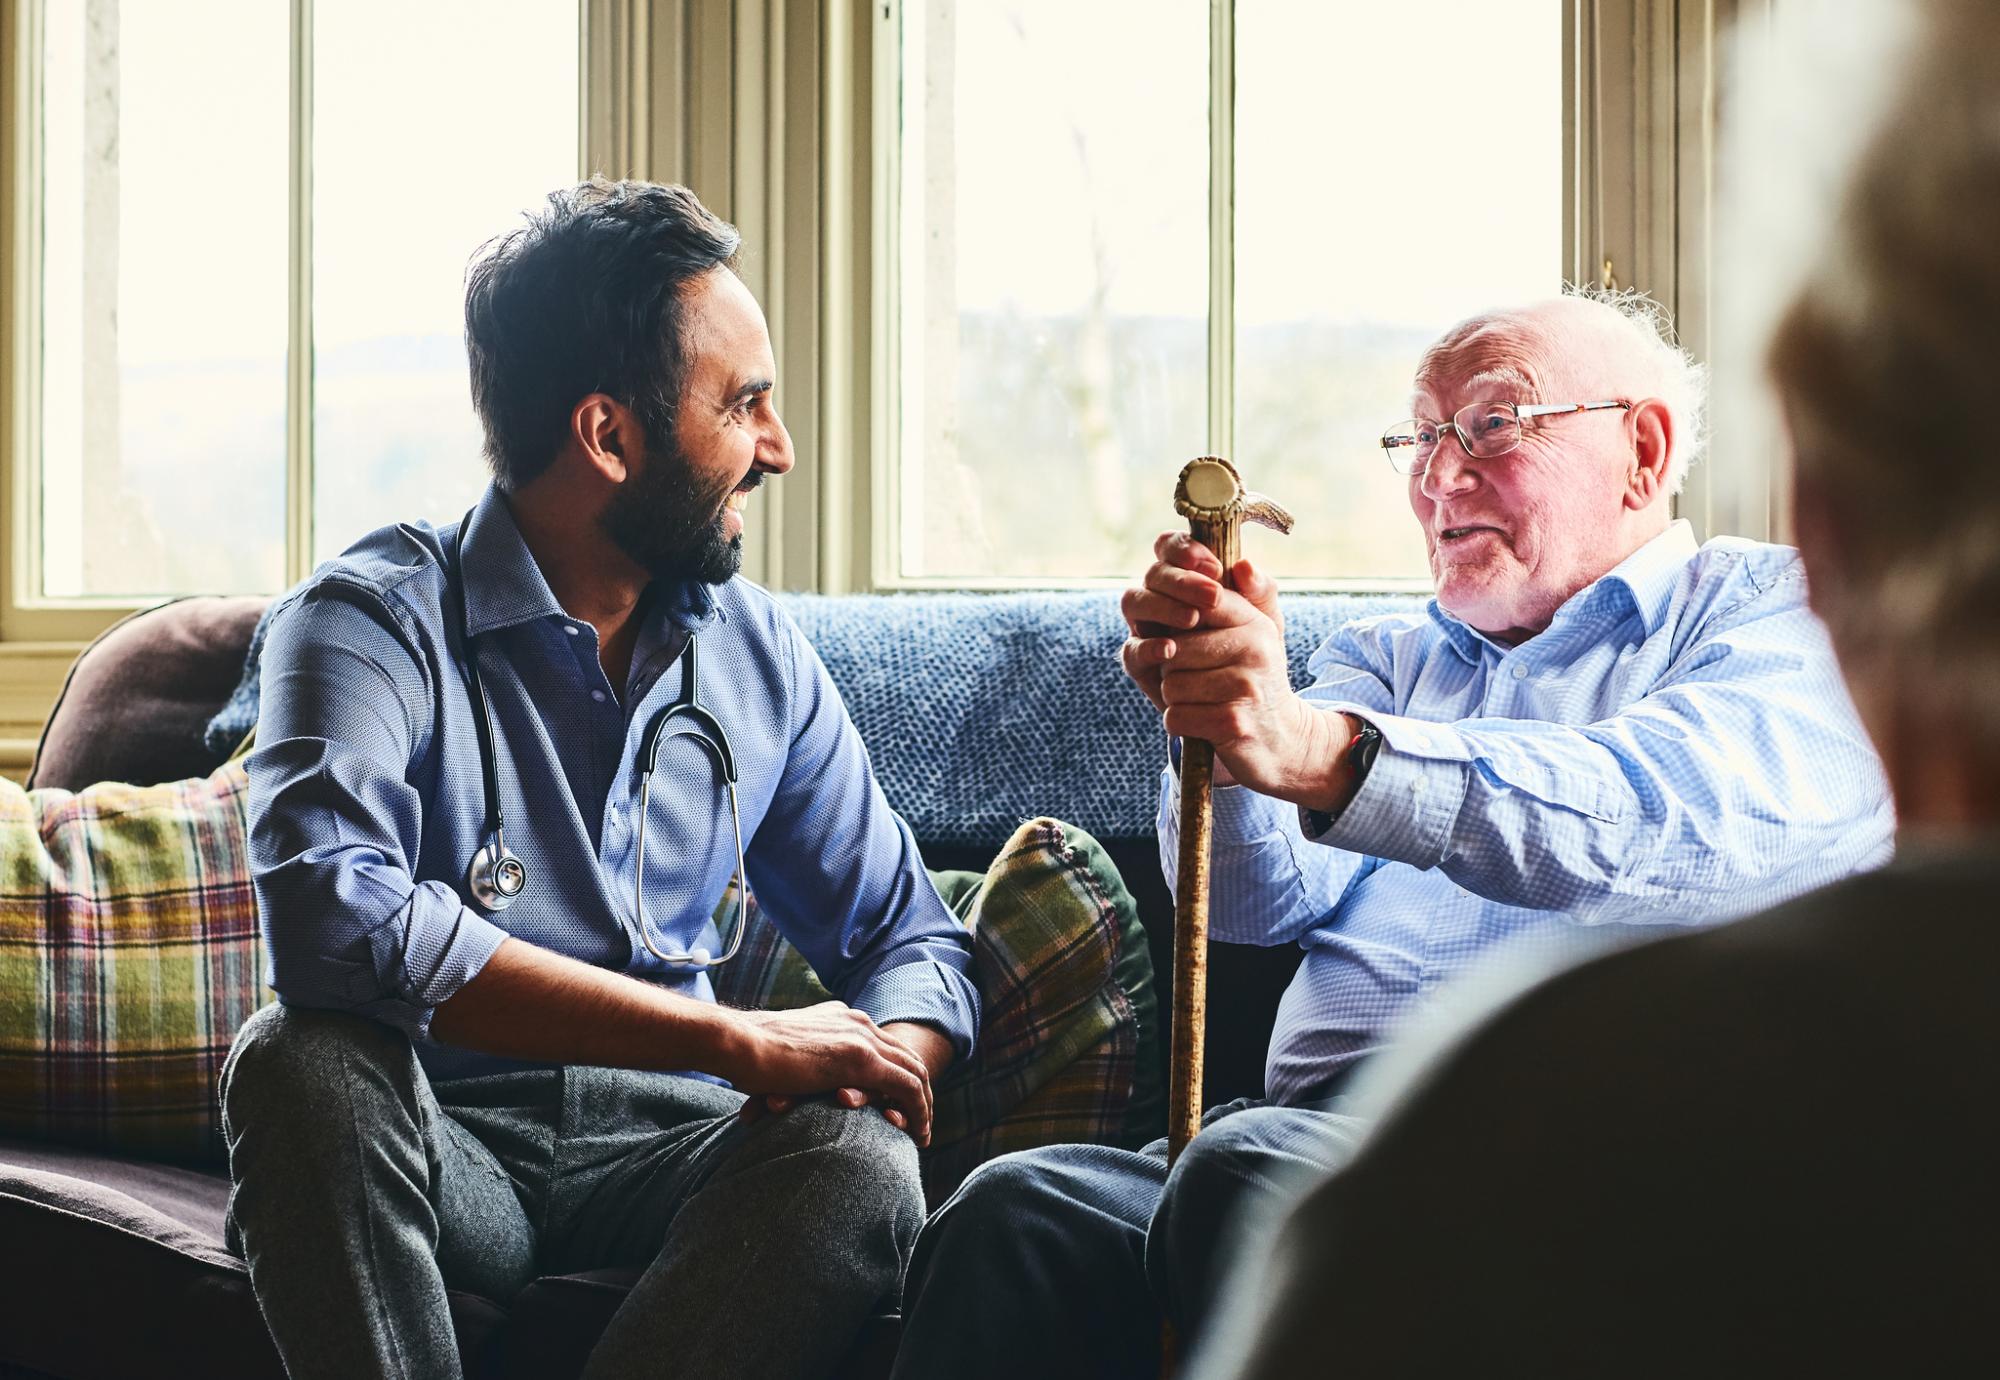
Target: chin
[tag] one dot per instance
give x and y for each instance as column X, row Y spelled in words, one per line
column 718, row 561
column 1471, row 603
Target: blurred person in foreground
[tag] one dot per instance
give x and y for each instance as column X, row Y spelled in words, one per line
column 1597, row 724
column 1768, row 1148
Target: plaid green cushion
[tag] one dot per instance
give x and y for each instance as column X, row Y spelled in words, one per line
column 129, row 955
column 1069, row 1048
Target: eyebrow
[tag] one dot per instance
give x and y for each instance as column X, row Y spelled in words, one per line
column 749, row 390
column 1479, row 384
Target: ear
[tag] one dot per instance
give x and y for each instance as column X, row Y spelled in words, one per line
column 607, row 434
column 1652, row 430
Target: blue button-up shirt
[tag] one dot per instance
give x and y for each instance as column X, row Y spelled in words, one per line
column 1676, row 748
column 367, row 800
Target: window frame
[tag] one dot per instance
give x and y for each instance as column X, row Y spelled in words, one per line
column 1591, row 165
column 781, row 115
column 27, row 615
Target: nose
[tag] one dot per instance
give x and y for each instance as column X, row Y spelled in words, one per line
column 1451, row 471
column 774, row 446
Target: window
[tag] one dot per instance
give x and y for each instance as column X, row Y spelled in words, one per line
column 248, row 228
column 163, row 291
column 1119, row 248
column 422, row 149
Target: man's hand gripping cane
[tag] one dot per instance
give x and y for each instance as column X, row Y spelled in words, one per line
column 1211, row 496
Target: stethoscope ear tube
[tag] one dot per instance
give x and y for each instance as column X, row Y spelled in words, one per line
column 495, row 876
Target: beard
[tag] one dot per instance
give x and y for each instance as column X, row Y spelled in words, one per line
column 670, row 521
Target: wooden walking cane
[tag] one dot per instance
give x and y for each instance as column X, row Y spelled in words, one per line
column 1211, row 496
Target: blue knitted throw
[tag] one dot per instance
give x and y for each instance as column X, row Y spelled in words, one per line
column 982, row 710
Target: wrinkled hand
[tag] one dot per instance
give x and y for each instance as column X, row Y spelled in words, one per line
column 1212, row 660
column 833, row 1049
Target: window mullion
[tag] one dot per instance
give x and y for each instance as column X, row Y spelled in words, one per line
column 1221, row 226
column 299, row 331
column 21, row 194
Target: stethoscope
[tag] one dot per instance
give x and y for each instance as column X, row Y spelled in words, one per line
column 496, row 877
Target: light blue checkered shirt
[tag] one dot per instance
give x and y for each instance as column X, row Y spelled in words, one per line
column 1676, row 748
column 366, row 799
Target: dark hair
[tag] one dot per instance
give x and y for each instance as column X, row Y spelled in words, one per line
column 584, row 298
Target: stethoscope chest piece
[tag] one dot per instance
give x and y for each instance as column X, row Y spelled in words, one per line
column 495, row 876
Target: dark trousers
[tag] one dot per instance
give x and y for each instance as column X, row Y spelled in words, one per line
column 1065, row 1261
column 362, row 1191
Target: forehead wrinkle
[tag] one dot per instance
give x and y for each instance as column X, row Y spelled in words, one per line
column 1511, row 380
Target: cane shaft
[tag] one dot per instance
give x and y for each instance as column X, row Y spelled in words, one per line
column 1191, row 893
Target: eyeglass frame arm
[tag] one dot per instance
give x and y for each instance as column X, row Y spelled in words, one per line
column 1564, row 409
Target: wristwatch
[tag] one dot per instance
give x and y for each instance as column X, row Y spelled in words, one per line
column 1362, row 749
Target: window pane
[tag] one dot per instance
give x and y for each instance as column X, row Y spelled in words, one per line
column 1360, row 130
column 434, row 125
column 163, row 298
column 1053, row 281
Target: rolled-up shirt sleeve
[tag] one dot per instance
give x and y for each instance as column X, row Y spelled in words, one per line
column 841, row 877
column 335, row 823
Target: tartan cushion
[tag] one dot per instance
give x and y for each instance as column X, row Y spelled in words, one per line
column 129, row 955
column 1070, row 1041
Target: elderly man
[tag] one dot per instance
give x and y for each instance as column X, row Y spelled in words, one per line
column 1595, row 723
column 1768, row 1148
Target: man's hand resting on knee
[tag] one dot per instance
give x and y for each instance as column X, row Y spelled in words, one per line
column 915, row 1045
column 529, row 1003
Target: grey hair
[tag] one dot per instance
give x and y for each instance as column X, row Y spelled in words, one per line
column 1682, row 381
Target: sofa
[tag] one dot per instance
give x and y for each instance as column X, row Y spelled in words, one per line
column 980, row 712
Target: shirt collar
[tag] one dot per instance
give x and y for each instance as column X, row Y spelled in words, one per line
column 1646, row 577
column 504, row 586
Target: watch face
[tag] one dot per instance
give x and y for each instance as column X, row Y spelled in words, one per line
column 1367, row 743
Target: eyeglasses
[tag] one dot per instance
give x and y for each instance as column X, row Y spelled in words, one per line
column 1484, row 429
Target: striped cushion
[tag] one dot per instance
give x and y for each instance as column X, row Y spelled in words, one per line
column 1070, row 1041
column 129, row 956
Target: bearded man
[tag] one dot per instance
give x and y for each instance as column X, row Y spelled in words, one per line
column 497, row 1051
column 1596, row 726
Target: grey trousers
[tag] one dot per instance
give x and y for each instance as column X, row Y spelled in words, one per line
column 361, row 1190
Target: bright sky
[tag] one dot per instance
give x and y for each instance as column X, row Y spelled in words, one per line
column 431, row 137
column 435, row 123
column 427, row 142
column 1388, row 156
column 1396, row 165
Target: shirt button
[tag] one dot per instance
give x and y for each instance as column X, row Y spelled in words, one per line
column 1520, row 673
column 597, row 695
column 570, row 628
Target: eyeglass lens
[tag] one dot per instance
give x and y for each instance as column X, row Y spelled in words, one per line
column 1485, row 429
